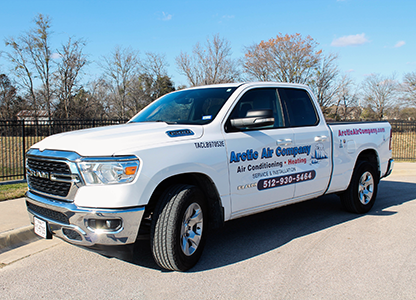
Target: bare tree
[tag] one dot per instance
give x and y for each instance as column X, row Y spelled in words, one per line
column 154, row 64
column 346, row 100
column 101, row 95
column 120, row 69
column 409, row 87
column 324, row 83
column 10, row 102
column 255, row 63
column 407, row 113
column 146, row 89
column 37, row 43
column 209, row 64
column 21, row 70
column 85, row 107
column 379, row 93
column 133, row 82
column 32, row 55
column 72, row 60
column 155, row 73
column 288, row 58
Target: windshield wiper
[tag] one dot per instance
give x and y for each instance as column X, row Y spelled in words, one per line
column 159, row 121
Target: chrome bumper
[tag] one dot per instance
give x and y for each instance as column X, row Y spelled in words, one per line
column 70, row 222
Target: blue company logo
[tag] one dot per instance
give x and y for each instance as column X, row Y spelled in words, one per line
column 250, row 154
column 243, row 156
column 293, row 151
column 178, row 133
column 319, row 153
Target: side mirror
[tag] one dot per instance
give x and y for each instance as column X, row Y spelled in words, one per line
column 254, row 118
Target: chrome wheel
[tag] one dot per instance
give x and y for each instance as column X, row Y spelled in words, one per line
column 191, row 230
column 178, row 219
column 361, row 194
column 365, row 188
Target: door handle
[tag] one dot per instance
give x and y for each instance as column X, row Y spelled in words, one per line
column 283, row 142
column 321, row 138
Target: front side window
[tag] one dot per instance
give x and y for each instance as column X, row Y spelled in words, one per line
column 197, row 106
column 255, row 100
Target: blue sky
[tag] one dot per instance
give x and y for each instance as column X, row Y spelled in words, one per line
column 369, row 36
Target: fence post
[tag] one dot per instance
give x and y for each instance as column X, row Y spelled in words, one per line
column 24, row 148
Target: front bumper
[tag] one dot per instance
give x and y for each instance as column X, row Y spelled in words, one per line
column 70, row 222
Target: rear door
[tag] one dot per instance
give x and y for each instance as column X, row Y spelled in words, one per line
column 310, row 133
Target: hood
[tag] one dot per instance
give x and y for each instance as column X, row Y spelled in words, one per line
column 119, row 139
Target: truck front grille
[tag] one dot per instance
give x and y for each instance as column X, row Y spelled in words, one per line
column 47, row 186
column 52, row 177
column 48, row 166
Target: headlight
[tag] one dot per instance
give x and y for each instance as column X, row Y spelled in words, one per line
column 108, row 170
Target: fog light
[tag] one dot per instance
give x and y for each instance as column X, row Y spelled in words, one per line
column 103, row 224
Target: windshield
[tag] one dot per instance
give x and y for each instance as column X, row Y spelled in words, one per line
column 197, row 106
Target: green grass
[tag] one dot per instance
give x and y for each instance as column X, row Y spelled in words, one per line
column 11, row 155
column 12, row 191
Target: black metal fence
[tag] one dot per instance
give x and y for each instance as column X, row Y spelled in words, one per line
column 404, row 140
column 16, row 137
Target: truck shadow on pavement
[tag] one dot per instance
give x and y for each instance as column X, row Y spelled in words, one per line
column 248, row 237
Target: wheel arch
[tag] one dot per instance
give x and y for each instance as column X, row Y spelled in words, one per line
column 371, row 156
column 202, row 181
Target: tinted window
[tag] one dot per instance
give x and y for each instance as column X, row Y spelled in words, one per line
column 257, row 99
column 300, row 110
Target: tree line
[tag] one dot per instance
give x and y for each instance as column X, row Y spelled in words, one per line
column 48, row 81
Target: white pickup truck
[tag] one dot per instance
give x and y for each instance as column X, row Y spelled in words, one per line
column 196, row 158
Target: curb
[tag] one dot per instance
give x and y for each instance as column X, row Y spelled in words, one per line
column 16, row 237
column 12, row 182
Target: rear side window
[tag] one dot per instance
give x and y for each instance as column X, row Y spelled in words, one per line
column 299, row 109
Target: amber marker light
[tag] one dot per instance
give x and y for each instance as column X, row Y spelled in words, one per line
column 130, row 170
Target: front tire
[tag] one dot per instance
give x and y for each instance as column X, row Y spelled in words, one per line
column 362, row 192
column 178, row 228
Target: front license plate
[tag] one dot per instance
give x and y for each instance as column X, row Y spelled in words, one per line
column 40, row 227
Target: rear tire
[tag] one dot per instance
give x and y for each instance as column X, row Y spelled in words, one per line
column 177, row 235
column 361, row 194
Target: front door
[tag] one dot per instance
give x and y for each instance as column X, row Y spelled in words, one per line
column 258, row 176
